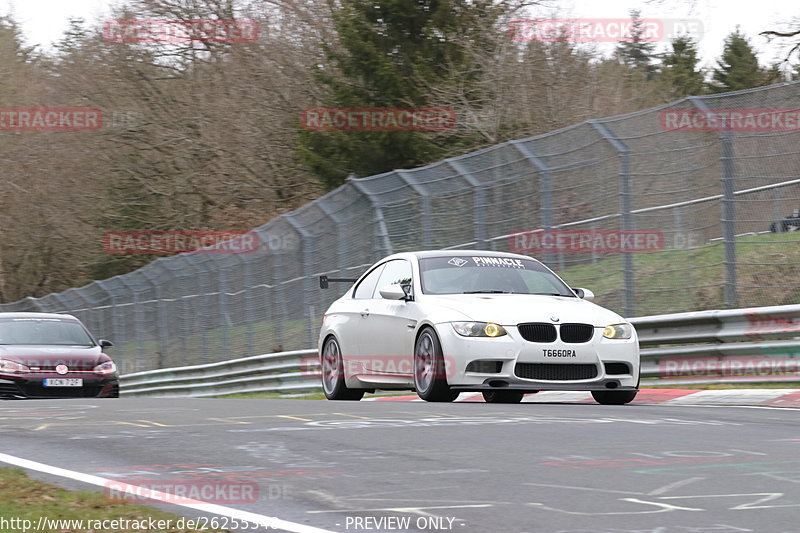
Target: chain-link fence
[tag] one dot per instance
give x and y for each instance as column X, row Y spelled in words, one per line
column 713, row 178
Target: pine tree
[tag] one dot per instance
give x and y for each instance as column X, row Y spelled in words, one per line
column 390, row 54
column 738, row 67
column 679, row 69
column 637, row 52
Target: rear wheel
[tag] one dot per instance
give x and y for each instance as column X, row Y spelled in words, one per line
column 502, row 396
column 332, row 370
column 614, row 397
column 430, row 378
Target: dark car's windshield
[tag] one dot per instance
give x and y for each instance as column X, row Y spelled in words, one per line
column 488, row 274
column 43, row 331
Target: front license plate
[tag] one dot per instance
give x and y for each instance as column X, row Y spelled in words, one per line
column 62, row 382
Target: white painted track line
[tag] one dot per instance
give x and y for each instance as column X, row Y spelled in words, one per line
column 210, row 508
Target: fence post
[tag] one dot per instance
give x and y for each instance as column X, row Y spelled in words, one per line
column 625, row 194
column 308, row 278
column 478, row 201
column 137, row 338
column 381, row 231
column 161, row 322
column 545, row 189
column 425, row 204
column 728, row 218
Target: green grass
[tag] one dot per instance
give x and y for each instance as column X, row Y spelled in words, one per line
column 24, row 498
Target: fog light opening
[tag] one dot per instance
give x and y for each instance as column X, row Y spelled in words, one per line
column 612, row 385
column 498, row 383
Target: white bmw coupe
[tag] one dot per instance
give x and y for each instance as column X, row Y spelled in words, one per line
column 443, row 322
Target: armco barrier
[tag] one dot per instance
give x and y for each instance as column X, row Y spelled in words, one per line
column 737, row 345
column 284, row 373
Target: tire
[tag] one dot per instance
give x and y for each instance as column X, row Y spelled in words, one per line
column 614, row 397
column 502, row 396
column 332, row 373
column 430, row 378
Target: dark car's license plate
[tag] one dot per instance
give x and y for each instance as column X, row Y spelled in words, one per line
column 62, row 382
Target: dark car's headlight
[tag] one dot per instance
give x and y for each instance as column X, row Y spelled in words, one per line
column 105, row 368
column 478, row 329
column 12, row 367
column 618, row 331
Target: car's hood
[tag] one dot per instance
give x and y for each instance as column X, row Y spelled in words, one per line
column 510, row 309
column 78, row 358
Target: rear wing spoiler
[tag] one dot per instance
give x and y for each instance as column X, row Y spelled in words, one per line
column 325, row 280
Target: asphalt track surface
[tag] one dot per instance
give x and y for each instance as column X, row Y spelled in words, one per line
column 415, row 466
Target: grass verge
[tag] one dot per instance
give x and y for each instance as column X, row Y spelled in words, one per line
column 23, row 498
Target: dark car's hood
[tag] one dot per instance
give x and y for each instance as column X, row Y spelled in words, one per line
column 48, row 356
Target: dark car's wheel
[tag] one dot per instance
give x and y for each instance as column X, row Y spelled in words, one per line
column 430, row 377
column 332, row 370
column 614, row 397
column 502, row 396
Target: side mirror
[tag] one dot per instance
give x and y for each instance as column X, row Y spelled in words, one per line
column 105, row 344
column 584, row 294
column 394, row 292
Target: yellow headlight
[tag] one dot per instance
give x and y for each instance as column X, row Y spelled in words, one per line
column 492, row 330
column 610, row 332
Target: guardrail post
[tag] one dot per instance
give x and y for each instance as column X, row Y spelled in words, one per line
column 478, row 201
column 625, row 195
column 728, row 204
column 545, row 190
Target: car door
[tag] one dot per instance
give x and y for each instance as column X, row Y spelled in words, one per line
column 351, row 315
column 389, row 337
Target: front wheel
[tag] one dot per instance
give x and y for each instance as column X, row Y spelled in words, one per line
column 332, row 370
column 430, row 378
column 614, row 397
column 502, row 396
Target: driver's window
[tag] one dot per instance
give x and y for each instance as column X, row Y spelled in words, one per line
column 397, row 271
column 368, row 284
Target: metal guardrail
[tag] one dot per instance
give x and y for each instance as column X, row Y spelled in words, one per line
column 737, row 345
column 283, row 373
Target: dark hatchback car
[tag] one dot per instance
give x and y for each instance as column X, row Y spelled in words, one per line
column 789, row 223
column 45, row 355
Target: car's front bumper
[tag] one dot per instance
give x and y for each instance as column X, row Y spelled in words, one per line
column 33, row 387
column 608, row 363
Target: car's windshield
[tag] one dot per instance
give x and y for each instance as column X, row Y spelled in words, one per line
column 37, row 331
column 488, row 274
